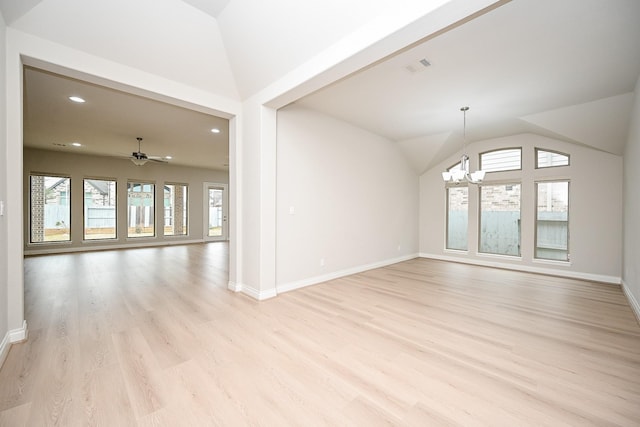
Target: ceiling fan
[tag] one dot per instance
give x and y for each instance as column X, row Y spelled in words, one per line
column 139, row 158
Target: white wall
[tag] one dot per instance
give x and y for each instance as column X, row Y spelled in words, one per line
column 79, row 167
column 318, row 27
column 595, row 203
column 167, row 38
column 631, row 259
column 3, row 189
column 354, row 199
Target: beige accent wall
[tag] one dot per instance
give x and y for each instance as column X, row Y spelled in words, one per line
column 79, row 167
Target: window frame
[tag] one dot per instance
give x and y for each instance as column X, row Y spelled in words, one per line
column 446, row 232
column 186, row 208
column 535, row 219
column 455, row 166
column 154, row 210
column 30, row 216
column 115, row 197
column 494, row 184
column 535, row 156
column 496, row 150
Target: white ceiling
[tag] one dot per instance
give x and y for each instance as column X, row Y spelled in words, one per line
column 561, row 68
column 564, row 69
column 108, row 123
column 167, row 38
column 210, row 7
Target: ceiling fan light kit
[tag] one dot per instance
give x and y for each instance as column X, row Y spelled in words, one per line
column 139, row 158
column 138, row 162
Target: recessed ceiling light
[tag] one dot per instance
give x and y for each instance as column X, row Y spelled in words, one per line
column 76, row 99
column 76, row 144
column 215, row 130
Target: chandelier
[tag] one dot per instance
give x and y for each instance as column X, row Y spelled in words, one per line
column 462, row 174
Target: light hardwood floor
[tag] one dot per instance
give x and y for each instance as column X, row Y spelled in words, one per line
column 152, row 337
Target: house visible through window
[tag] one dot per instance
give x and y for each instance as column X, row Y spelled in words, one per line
column 552, row 220
column 500, row 219
column 99, row 209
column 140, row 206
column 175, row 209
column 50, row 213
column 457, row 217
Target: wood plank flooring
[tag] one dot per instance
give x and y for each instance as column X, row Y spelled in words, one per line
column 152, row 337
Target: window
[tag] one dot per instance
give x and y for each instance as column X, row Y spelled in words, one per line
column 549, row 159
column 457, row 217
column 552, row 220
column 50, row 213
column 501, row 160
column 456, row 167
column 140, row 206
column 99, row 209
column 500, row 219
column 175, row 210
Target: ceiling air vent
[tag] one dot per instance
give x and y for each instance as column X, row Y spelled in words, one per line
column 418, row 66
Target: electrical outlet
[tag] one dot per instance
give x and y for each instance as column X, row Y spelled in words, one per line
column 321, row 262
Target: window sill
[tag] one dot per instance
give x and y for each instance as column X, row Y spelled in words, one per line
column 552, row 262
column 52, row 243
column 94, row 241
column 498, row 256
column 456, row 251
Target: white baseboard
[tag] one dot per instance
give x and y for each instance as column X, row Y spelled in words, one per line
column 251, row 291
column 11, row 337
column 233, row 286
column 20, row 334
column 286, row 287
column 614, row 280
column 633, row 302
column 88, row 246
column 258, row 294
column 5, row 345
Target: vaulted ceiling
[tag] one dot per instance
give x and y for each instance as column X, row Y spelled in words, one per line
column 564, row 69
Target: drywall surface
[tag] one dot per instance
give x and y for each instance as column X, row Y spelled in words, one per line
column 631, row 252
column 3, row 186
column 346, row 199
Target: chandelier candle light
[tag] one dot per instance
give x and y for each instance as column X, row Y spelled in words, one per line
column 462, row 174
